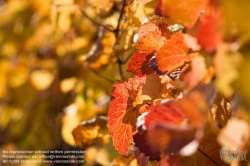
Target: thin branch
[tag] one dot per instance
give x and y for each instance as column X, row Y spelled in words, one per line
column 95, row 22
column 120, row 18
column 120, row 67
column 99, row 75
column 119, row 61
column 208, row 157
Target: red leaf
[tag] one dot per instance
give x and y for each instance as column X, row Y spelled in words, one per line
column 209, row 33
column 139, row 64
column 175, row 124
column 150, row 38
column 163, row 114
column 122, row 115
column 169, row 138
column 173, row 53
column 185, row 12
column 140, row 142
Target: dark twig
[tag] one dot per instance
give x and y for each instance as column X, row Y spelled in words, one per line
column 119, row 61
column 95, row 22
column 208, row 157
column 99, row 75
column 120, row 18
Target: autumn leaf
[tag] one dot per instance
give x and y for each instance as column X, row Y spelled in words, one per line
column 139, row 64
column 175, row 124
column 93, row 130
column 197, row 73
column 152, row 35
column 156, row 87
column 122, row 115
column 150, row 38
column 234, row 135
column 142, row 144
column 173, row 53
column 220, row 112
column 192, row 42
column 209, row 30
column 185, row 12
column 100, row 54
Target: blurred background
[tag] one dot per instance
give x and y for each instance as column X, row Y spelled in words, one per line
column 45, row 90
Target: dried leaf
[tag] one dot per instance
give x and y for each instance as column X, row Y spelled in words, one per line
column 220, row 113
column 100, row 54
column 91, row 131
column 234, row 135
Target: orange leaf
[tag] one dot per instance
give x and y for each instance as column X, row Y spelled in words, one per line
column 122, row 115
column 173, row 53
column 185, row 12
column 197, row 73
column 150, row 38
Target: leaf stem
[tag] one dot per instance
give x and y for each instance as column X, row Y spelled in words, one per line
column 208, row 157
column 101, row 76
column 95, row 22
